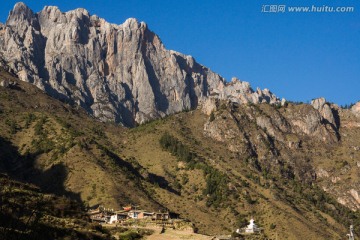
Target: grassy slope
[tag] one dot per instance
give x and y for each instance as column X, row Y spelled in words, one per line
column 267, row 210
column 63, row 150
column 27, row 213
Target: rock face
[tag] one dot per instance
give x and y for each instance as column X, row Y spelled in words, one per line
column 356, row 109
column 325, row 110
column 305, row 119
column 120, row 73
column 241, row 92
column 286, row 127
column 210, row 105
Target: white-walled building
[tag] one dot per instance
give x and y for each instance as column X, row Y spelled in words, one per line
column 115, row 218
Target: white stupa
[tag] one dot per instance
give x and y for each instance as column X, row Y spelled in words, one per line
column 351, row 235
column 251, row 228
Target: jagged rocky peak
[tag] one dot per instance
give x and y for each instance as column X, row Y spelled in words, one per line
column 356, row 109
column 133, row 23
column 329, row 112
column 324, row 108
column 20, row 13
column 120, row 73
column 241, row 92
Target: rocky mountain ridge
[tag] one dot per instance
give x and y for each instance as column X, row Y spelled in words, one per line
column 120, row 73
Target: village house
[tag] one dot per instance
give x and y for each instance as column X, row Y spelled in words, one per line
column 118, row 217
column 134, row 214
column 161, row 216
column 140, row 214
column 144, row 215
column 103, row 215
column 100, row 214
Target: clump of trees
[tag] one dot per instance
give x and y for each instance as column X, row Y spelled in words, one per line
column 348, row 106
column 175, row 147
column 41, row 144
column 12, row 125
column 29, row 119
column 216, row 188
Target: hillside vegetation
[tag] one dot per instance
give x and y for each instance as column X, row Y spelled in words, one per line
column 217, row 171
column 27, row 213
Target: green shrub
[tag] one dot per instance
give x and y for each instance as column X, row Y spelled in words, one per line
column 98, row 131
column 29, row 118
column 130, row 236
column 13, row 127
column 212, row 116
column 39, row 126
column 272, row 226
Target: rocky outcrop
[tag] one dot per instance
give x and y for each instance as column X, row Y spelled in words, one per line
column 275, row 125
column 326, row 110
column 240, row 92
column 7, row 83
column 4, row 83
column 347, row 195
column 224, row 129
column 210, row 105
column 256, row 130
column 307, row 120
column 322, row 173
column 356, row 109
column 120, row 73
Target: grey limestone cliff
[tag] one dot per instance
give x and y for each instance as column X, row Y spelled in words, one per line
column 120, row 73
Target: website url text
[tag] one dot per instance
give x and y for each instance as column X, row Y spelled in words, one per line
column 307, row 9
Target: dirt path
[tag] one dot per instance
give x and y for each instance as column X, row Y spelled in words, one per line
column 176, row 235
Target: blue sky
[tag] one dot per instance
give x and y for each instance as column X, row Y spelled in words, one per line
column 299, row 56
